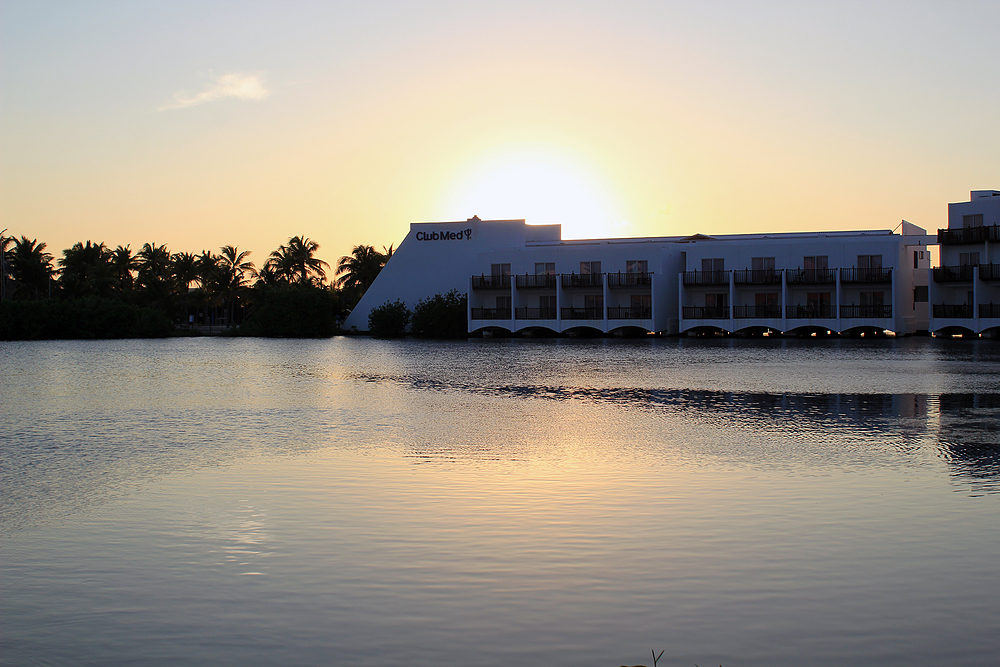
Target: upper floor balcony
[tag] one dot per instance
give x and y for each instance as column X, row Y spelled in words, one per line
column 706, row 278
column 630, row 313
column 811, row 276
column 705, row 312
column 989, row 271
column 757, row 312
column 535, row 313
column 876, row 275
column 622, row 280
column 541, row 281
column 953, row 274
column 866, row 311
column 490, row 313
column 962, row 235
column 757, row 277
column 494, row 282
column 949, row 310
column 582, row 313
column 582, row 280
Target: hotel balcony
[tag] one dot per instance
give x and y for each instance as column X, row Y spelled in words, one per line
column 706, row 312
column 706, row 278
column 950, row 311
column 968, row 235
column 630, row 312
column 621, row 280
column 811, row 276
column 953, row 274
column 485, row 282
column 869, row 312
column 582, row 313
column 866, row 275
column 756, row 312
column 542, row 281
column 490, row 313
column 757, row 277
column 534, row 313
column 989, row 271
column 989, row 310
column 799, row 312
column 582, row 280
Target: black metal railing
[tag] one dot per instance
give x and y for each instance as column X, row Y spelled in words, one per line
column 582, row 313
column 490, row 313
column 947, row 310
column 618, row 280
column 989, row 310
column 756, row 312
column 878, row 275
column 808, row 312
column 706, row 278
column 811, row 276
column 880, row 310
column 490, row 282
column 578, row 280
column 630, row 312
column 989, row 271
column 534, row 313
column 705, row 312
column 968, row 235
column 757, row 277
column 528, row 281
column 951, row 274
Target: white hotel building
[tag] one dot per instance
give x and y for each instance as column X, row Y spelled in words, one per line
column 524, row 278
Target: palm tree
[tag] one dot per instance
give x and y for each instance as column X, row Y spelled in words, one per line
column 358, row 270
column 155, row 272
column 31, row 267
column 5, row 264
column 185, row 270
column 123, row 263
column 296, row 261
column 86, row 270
column 234, row 268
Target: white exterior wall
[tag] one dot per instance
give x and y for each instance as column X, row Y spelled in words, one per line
column 962, row 293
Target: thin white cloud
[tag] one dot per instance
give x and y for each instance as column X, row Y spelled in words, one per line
column 240, row 86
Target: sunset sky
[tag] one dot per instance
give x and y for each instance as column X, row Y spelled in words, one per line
column 200, row 124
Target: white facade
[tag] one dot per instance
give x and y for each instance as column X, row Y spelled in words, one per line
column 521, row 277
column 965, row 290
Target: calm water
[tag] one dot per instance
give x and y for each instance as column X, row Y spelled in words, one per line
column 500, row 502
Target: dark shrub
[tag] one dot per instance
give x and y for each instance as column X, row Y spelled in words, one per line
column 90, row 317
column 389, row 320
column 302, row 311
column 442, row 316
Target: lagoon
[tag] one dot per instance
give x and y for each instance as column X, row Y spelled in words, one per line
column 570, row 502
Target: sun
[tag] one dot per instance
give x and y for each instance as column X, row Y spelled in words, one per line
column 542, row 186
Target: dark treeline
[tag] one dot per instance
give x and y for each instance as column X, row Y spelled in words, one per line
column 93, row 291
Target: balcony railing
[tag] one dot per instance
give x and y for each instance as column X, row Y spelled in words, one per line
column 989, row 271
column 881, row 310
column 945, row 310
column 879, row 275
column 705, row 312
column 580, row 280
column 757, row 277
column 630, row 312
column 756, row 312
column 811, row 276
column 490, row 313
column 968, row 235
column 989, row 310
column 528, row 281
column 618, row 280
column 808, row 312
column 583, row 313
column 490, row 282
column 534, row 313
column 951, row 274
column 706, row 277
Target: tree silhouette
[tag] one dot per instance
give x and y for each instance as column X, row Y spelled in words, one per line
column 31, row 268
column 296, row 261
column 86, row 270
column 234, row 269
column 357, row 271
column 155, row 276
column 123, row 263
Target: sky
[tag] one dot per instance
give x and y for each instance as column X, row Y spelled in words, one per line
column 210, row 123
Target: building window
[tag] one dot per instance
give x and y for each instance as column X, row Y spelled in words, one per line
column 547, row 307
column 762, row 263
column 717, row 300
column 636, row 266
column 500, row 269
column 974, row 220
column 813, row 262
column 818, row 303
column 545, row 268
column 593, row 302
column 869, row 261
column 920, row 294
column 714, row 264
column 872, row 298
column 590, row 268
column 503, row 304
column 968, row 258
column 766, row 299
column 642, row 301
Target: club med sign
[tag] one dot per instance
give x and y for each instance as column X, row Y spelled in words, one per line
column 462, row 235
